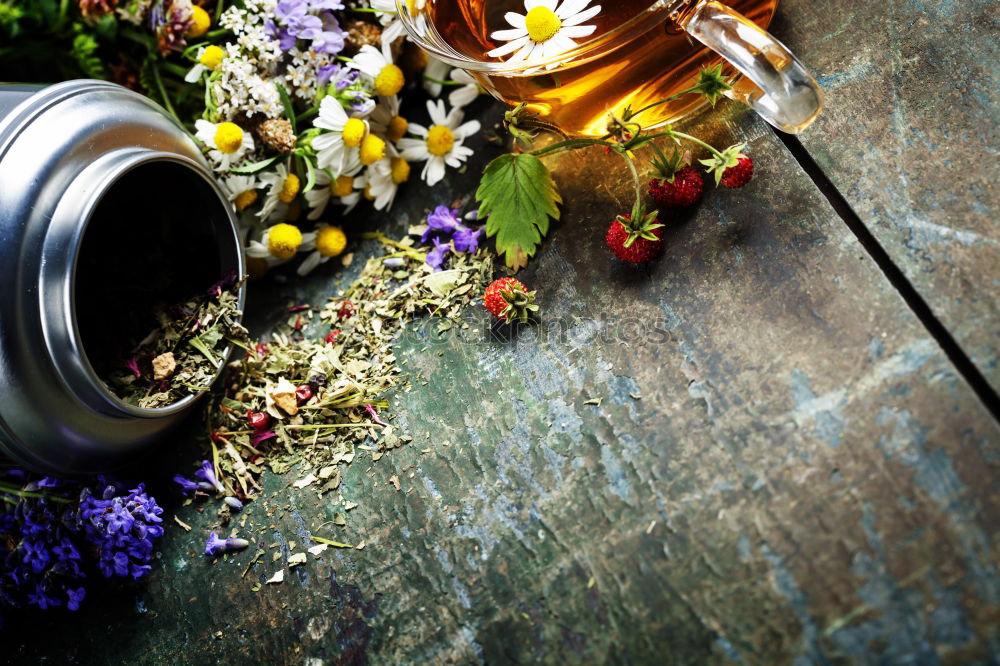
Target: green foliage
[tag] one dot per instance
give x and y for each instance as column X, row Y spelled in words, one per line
column 84, row 51
column 518, row 194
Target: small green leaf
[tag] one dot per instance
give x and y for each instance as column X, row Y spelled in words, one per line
column 518, row 194
column 286, row 101
column 255, row 166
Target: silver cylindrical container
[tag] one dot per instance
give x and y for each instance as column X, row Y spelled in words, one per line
column 95, row 181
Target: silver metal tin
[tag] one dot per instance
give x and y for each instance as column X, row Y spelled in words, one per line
column 63, row 148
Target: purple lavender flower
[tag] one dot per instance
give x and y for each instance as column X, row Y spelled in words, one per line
column 207, row 474
column 466, row 239
column 233, row 503
column 330, row 38
column 216, row 546
column 74, row 597
column 326, row 72
column 187, row 486
column 436, row 256
column 442, row 219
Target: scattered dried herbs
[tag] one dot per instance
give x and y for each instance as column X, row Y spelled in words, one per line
column 323, row 392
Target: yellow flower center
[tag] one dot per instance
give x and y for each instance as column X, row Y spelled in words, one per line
column 368, row 193
column 397, row 128
column 389, row 81
column 542, row 24
column 283, row 241
column 400, row 170
column 440, row 140
column 354, row 131
column 372, row 150
column 289, row 188
column 413, row 7
column 211, row 56
column 228, row 137
column 200, row 22
column 330, row 241
column 245, row 199
column 343, row 186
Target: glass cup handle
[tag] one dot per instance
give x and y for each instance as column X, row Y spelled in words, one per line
column 786, row 94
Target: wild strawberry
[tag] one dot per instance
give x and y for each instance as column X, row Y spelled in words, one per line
column 258, row 420
column 635, row 242
column 731, row 167
column 508, row 299
column 303, row 393
column 682, row 189
column 739, row 175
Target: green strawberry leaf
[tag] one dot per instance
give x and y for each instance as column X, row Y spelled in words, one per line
column 518, row 194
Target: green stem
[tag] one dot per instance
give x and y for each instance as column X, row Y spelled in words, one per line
column 329, row 542
column 163, row 94
column 571, row 144
column 442, row 83
column 13, row 490
column 688, row 137
column 666, row 100
column 371, row 10
column 212, row 35
column 635, row 179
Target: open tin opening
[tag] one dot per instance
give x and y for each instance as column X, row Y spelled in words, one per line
column 159, row 234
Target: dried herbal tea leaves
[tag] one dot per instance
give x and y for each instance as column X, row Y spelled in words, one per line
column 183, row 353
column 322, row 394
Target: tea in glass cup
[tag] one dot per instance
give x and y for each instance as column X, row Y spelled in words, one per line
column 575, row 61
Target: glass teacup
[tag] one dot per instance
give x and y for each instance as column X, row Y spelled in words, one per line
column 573, row 65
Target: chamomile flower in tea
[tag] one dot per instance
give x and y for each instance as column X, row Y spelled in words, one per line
column 441, row 143
column 546, row 29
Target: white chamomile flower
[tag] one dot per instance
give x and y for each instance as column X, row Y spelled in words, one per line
column 387, row 78
column 337, row 146
column 546, row 30
column 209, row 57
column 344, row 187
column 329, row 242
column 383, row 180
column 282, row 186
column 441, row 143
column 241, row 190
column 227, row 141
column 465, row 94
column 386, row 121
column 280, row 243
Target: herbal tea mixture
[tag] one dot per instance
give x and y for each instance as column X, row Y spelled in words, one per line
column 182, row 355
column 311, row 400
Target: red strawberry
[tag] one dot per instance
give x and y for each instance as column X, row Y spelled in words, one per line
column 508, row 299
column 738, row 175
column 635, row 242
column 682, row 189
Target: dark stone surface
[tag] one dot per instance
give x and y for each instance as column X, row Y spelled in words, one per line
column 910, row 137
column 803, row 477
